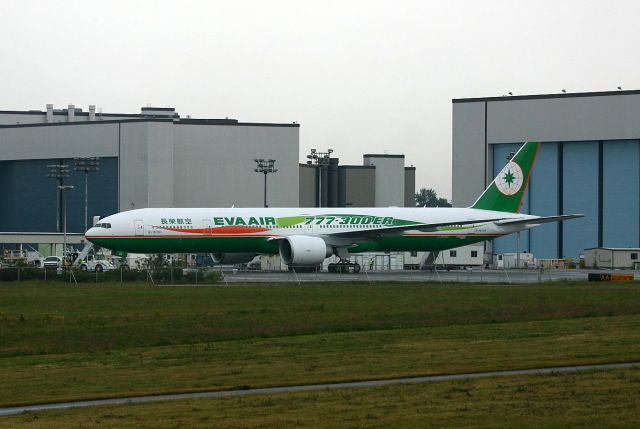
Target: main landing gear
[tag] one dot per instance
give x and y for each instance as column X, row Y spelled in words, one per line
column 344, row 267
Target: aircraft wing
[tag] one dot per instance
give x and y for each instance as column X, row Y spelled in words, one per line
column 375, row 233
column 371, row 234
column 538, row 220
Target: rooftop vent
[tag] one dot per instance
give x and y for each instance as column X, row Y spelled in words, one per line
column 163, row 112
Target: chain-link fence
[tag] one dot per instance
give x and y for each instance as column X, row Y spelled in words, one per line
column 159, row 276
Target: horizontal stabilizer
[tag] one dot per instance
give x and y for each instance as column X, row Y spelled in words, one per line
column 538, row 220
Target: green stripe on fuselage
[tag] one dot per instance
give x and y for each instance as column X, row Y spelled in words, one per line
column 189, row 244
column 264, row 245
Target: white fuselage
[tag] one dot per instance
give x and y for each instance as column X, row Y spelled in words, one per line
column 169, row 230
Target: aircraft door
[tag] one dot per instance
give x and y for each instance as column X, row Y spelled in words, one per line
column 206, row 226
column 308, row 229
column 138, row 227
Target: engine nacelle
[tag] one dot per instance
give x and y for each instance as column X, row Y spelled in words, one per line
column 232, row 258
column 304, row 250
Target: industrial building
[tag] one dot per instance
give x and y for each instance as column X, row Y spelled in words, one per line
column 589, row 163
column 152, row 159
column 381, row 181
column 156, row 158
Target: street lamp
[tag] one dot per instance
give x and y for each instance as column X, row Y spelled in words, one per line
column 87, row 165
column 265, row 166
column 320, row 160
column 509, row 157
column 58, row 172
column 63, row 189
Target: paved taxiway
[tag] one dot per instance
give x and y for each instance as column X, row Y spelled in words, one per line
column 312, row 387
column 454, row 276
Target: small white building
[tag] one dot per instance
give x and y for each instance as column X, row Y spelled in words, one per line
column 612, row 257
column 460, row 257
column 514, row 260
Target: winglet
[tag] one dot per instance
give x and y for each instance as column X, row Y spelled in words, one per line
column 506, row 192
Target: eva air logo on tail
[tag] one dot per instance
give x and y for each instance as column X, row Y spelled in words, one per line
column 510, row 179
column 506, row 192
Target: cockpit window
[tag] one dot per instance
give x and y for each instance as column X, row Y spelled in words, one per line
column 103, row 225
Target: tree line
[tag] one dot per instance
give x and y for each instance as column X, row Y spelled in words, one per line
column 429, row 198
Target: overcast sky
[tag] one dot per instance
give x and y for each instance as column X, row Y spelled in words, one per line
column 359, row 76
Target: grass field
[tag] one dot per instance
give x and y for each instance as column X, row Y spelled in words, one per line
column 64, row 342
column 592, row 400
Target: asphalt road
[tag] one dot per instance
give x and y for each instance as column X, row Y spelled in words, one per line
column 457, row 276
column 305, row 388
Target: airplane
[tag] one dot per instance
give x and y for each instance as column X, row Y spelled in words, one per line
column 305, row 237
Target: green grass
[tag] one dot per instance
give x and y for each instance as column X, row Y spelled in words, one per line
column 60, row 319
column 606, row 399
column 61, row 342
column 317, row 358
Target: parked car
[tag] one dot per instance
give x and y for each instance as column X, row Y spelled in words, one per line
column 52, row 262
column 100, row 265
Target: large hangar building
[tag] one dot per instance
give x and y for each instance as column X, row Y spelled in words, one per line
column 152, row 159
column 589, row 163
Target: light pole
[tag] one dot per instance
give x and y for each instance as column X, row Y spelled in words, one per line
column 87, row 165
column 265, row 166
column 63, row 189
column 320, row 160
column 509, row 157
column 58, row 172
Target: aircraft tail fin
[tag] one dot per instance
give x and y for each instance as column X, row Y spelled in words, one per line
column 507, row 190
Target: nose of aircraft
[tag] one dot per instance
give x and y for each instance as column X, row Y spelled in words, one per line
column 91, row 232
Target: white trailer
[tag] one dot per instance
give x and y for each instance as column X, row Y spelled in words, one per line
column 460, row 257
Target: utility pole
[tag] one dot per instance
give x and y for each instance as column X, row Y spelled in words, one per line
column 265, row 166
column 87, row 165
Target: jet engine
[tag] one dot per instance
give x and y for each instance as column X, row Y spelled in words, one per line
column 232, row 258
column 304, row 250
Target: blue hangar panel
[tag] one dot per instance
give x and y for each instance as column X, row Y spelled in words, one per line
column 509, row 243
column 620, row 193
column 580, row 164
column 29, row 198
column 543, row 201
column 103, row 193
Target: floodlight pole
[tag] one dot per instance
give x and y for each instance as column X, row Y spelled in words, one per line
column 87, row 165
column 265, row 188
column 58, row 172
column 265, row 166
column 320, row 160
column 509, row 157
column 63, row 189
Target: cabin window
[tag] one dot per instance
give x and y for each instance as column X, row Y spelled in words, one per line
column 414, row 253
column 453, row 253
column 634, row 256
column 474, row 253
